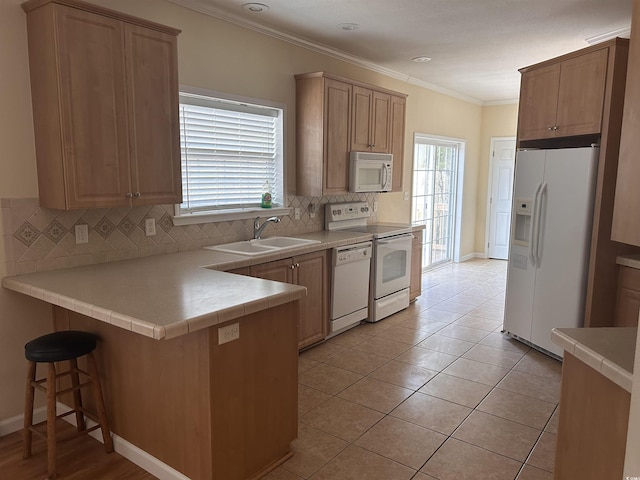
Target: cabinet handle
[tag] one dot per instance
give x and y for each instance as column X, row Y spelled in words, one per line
column 292, row 267
column 137, row 195
column 297, row 265
column 550, row 128
column 129, row 195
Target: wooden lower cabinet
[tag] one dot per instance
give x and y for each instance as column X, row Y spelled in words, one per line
column 415, row 289
column 592, row 429
column 210, row 411
column 628, row 300
column 311, row 271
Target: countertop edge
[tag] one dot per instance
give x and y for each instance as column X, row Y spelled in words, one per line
column 599, row 362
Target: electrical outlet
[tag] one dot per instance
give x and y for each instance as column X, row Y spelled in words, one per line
column 296, row 213
column 149, row 227
column 312, row 210
column 375, row 206
column 82, row 234
column 228, row 333
column 406, row 195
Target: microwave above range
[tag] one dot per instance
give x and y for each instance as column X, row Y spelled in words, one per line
column 370, row 172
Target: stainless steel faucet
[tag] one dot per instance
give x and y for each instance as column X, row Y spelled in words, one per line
column 257, row 228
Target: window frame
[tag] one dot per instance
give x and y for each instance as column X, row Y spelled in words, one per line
column 229, row 214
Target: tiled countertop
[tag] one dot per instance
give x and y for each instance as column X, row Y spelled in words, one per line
column 609, row 350
column 166, row 296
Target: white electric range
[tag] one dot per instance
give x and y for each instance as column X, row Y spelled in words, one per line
column 391, row 260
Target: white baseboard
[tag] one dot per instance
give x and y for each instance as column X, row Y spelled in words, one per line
column 471, row 256
column 128, row 450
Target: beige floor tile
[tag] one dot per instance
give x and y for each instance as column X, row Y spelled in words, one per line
column 479, row 323
column 476, row 371
column 457, row 390
column 426, row 325
column 357, row 361
column 328, row 379
column 405, row 335
column 341, row 418
column 494, row 356
column 383, row 347
column 429, row 359
column 437, row 314
column 375, row 328
column 311, row 450
column 349, row 338
column 280, row 474
column 403, row 374
column 457, row 460
column 518, row 408
column 309, row 398
column 401, row 441
column 455, row 307
column 432, row 413
column 376, row 394
column 323, row 351
column 463, row 333
column 423, row 476
column 305, row 363
column 532, row 473
column 501, row 340
column 542, row 388
column 544, row 453
column 498, row 435
column 552, row 426
column 536, row 363
column 449, row 345
column 356, row 463
column 492, row 313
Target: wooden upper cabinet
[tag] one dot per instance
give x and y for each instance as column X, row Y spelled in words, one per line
column 335, row 116
column 105, row 103
column 626, row 224
column 563, row 99
column 371, row 120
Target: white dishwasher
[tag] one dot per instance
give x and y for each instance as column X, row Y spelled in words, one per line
column 350, row 286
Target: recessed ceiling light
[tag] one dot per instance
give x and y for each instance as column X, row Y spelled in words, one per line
column 421, row 59
column 255, row 7
column 349, row 26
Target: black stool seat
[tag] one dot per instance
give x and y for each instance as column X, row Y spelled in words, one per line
column 59, row 346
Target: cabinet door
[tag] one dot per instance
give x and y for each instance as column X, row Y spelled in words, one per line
column 361, row 119
column 628, row 302
column 93, row 109
column 415, row 289
column 311, row 272
column 278, row 271
column 381, row 123
column 337, row 111
column 396, row 146
column 153, row 116
column 581, row 94
column 538, row 102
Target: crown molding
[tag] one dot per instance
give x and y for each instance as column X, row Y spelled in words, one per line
column 202, row 6
column 624, row 32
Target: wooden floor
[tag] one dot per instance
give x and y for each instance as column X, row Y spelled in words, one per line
column 81, row 458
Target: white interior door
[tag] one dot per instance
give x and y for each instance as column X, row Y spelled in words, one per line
column 503, row 155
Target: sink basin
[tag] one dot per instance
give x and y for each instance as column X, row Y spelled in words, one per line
column 262, row 246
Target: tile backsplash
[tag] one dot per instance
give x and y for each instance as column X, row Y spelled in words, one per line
column 39, row 239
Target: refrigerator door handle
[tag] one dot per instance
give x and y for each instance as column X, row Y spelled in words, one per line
column 539, row 222
column 533, row 234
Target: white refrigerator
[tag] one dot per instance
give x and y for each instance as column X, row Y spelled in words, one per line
column 550, row 241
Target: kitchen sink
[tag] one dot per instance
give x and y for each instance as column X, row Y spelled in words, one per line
column 262, row 246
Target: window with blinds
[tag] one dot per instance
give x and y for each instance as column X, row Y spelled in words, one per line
column 229, row 150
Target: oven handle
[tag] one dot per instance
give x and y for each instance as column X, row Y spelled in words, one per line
column 397, row 239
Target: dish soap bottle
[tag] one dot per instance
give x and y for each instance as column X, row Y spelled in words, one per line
column 266, row 195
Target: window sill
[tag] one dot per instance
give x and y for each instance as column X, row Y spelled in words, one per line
column 229, row 215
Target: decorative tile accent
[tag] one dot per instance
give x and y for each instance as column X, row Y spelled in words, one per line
column 166, row 222
column 55, row 232
column 104, row 227
column 27, row 234
column 126, row 226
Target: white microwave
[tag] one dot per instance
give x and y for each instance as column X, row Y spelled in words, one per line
column 370, row 172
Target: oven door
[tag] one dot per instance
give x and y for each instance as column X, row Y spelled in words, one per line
column 392, row 264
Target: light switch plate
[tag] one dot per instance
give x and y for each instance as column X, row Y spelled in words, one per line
column 82, row 234
column 149, row 227
column 296, row 213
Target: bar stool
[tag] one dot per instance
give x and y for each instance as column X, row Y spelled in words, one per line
column 58, row 347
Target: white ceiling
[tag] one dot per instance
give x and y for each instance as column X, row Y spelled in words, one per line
column 476, row 46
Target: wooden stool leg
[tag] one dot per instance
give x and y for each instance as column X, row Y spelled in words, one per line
column 51, row 421
column 28, row 411
column 100, row 409
column 77, row 396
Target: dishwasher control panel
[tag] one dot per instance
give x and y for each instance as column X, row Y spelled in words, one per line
column 352, row 253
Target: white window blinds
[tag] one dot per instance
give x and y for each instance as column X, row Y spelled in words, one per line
column 229, row 150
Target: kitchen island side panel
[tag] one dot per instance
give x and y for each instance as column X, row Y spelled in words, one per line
column 209, row 411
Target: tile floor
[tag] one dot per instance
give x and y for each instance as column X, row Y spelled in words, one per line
column 433, row 392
